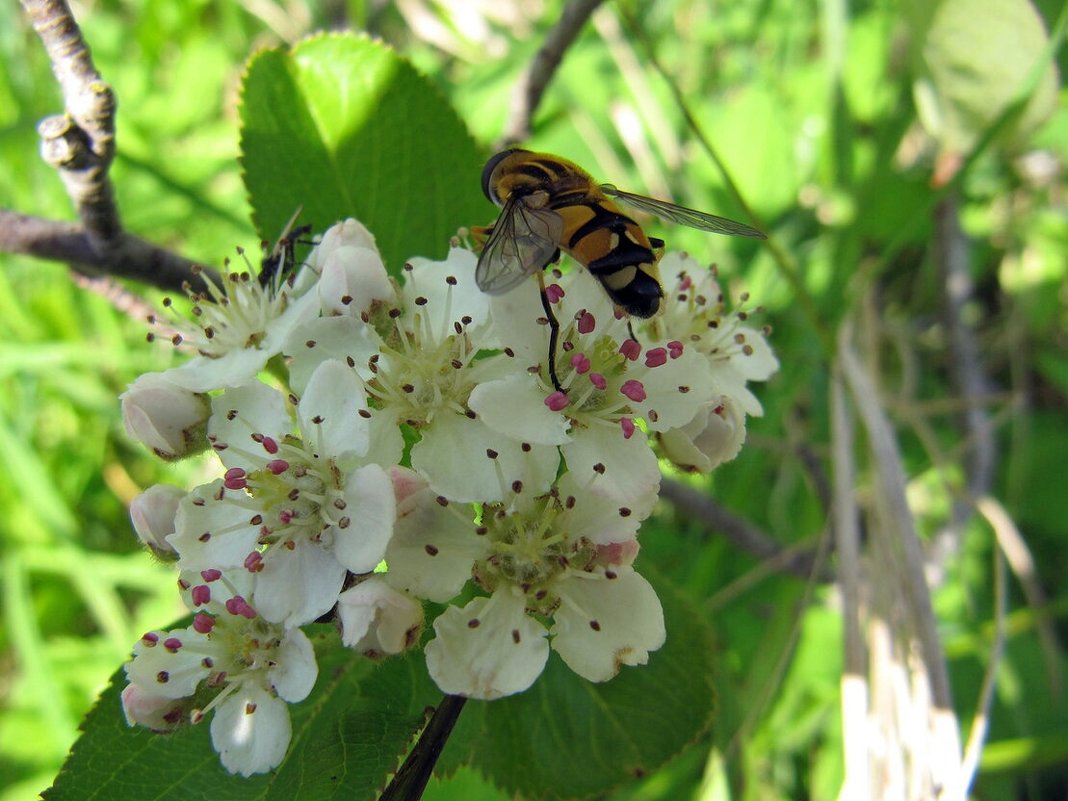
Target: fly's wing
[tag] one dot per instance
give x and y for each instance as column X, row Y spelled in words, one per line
column 523, row 241
column 682, row 215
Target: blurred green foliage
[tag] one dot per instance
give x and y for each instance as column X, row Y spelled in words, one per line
column 811, row 108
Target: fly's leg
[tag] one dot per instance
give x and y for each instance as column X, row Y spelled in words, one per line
column 554, row 331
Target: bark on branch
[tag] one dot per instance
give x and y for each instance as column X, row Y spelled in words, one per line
column 80, row 144
column 535, row 79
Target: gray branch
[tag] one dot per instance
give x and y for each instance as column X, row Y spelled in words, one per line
column 717, row 520
column 80, row 144
column 532, row 85
column 131, row 257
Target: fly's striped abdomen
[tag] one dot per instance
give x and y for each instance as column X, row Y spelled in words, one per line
column 614, row 249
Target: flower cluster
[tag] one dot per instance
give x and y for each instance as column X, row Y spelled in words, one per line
column 406, row 445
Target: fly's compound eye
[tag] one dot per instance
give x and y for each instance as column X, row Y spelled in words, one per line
column 487, row 175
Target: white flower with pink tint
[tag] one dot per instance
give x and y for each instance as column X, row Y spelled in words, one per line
column 252, row 668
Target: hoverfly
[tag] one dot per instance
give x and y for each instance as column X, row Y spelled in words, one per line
column 548, row 205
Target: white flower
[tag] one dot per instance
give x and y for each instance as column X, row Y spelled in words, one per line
column 297, row 510
column 421, row 363
column 564, row 557
column 236, row 327
column 607, row 382
column 256, row 667
column 164, row 416
column 697, row 315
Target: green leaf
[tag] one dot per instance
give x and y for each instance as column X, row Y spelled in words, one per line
column 568, row 738
column 970, row 58
column 348, row 736
column 341, row 126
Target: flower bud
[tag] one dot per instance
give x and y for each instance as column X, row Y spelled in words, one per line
column 352, row 279
column 167, row 418
column 152, row 513
column 153, row 711
column 715, row 435
column 348, row 233
column 377, row 620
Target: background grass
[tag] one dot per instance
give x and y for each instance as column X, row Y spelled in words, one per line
column 811, row 108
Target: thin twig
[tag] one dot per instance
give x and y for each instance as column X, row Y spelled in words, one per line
column 785, row 262
column 80, row 144
column 531, row 86
column 952, row 258
column 697, row 506
column 68, row 242
column 1022, row 563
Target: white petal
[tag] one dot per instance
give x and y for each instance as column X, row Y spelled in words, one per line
column 759, row 363
column 251, row 730
column 346, row 339
column 370, row 508
column 377, row 619
column 675, row 390
column 514, row 315
column 604, row 624
column 488, row 649
column 515, row 406
column 448, row 302
column 386, row 444
column 598, row 518
column 466, row 461
column 213, row 528
column 299, row 584
column 630, row 468
column 239, row 413
column 330, row 409
column 295, row 670
column 433, row 548
column 352, row 279
column 232, row 369
column 166, row 672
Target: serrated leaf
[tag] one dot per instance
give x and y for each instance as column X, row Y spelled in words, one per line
column 567, row 738
column 347, row 738
column 342, row 126
column 969, row 59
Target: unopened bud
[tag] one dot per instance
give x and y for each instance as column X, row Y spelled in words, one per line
column 165, row 417
column 377, row 620
column 152, row 513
